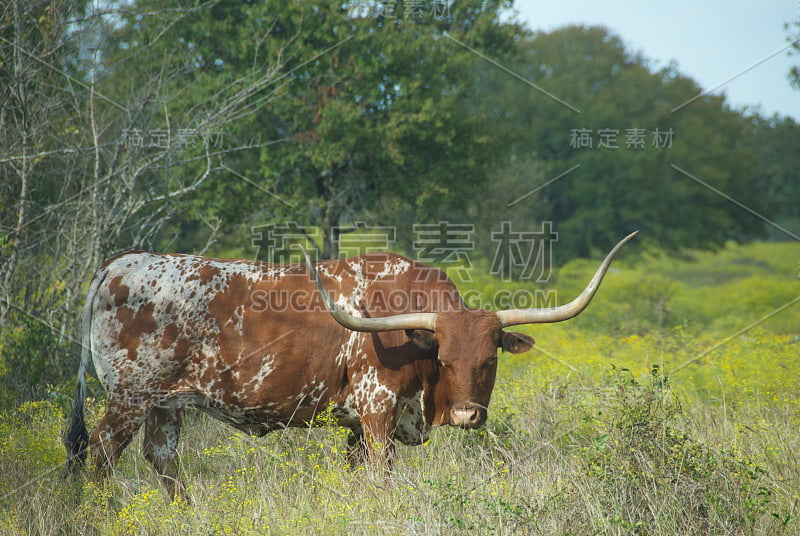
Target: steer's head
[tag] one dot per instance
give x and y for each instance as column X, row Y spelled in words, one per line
column 466, row 343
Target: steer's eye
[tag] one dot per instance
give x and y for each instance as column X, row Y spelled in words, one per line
column 491, row 361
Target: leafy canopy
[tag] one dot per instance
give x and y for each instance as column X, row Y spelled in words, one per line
column 370, row 109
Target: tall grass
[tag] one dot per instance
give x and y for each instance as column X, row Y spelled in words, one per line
column 613, row 454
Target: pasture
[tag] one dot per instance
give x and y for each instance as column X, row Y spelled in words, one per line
column 671, row 406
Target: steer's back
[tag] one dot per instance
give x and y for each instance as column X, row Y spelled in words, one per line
column 180, row 324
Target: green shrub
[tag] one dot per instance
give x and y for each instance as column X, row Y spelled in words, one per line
column 33, row 362
column 649, row 472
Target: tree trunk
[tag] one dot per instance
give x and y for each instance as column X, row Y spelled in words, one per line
column 330, row 235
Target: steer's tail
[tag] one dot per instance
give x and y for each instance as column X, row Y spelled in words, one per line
column 76, row 438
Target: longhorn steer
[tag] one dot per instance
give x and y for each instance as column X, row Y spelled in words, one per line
column 256, row 345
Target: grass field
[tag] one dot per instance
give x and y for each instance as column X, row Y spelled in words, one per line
column 671, row 406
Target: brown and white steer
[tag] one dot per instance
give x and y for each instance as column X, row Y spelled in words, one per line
column 263, row 346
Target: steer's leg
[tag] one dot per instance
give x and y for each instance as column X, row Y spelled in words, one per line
column 356, row 448
column 113, row 433
column 378, row 440
column 161, row 433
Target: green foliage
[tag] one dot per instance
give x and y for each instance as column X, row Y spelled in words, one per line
column 777, row 179
column 793, row 27
column 32, row 362
column 32, row 457
column 617, row 190
column 639, row 451
column 719, row 292
column 367, row 110
column 31, row 432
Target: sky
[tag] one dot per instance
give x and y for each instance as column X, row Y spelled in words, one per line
column 711, row 41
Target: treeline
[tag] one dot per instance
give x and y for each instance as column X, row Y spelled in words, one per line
column 195, row 127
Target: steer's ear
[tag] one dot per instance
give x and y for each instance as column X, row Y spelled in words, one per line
column 423, row 338
column 514, row 342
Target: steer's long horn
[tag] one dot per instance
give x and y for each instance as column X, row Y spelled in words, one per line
column 388, row 323
column 515, row 317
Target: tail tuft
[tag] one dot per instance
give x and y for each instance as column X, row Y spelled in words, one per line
column 76, row 439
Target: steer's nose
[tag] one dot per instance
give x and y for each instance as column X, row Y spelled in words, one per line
column 467, row 415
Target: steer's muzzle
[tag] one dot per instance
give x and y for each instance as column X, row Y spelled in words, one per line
column 467, row 415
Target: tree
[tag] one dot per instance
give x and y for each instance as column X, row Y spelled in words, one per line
column 776, row 181
column 648, row 158
column 35, row 114
column 74, row 185
column 371, row 108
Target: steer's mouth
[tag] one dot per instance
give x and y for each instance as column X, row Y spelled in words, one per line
column 467, row 415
